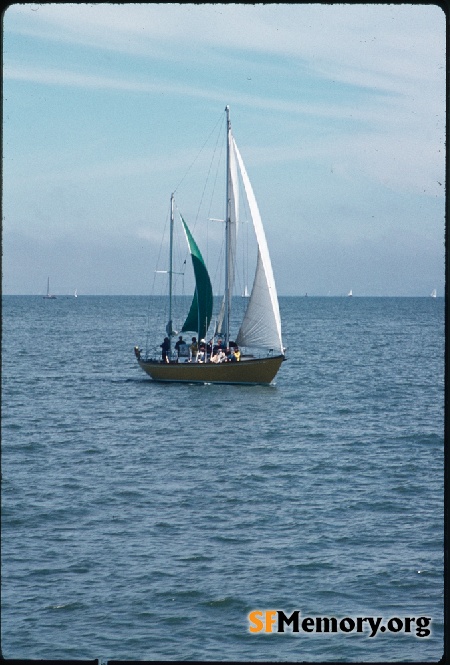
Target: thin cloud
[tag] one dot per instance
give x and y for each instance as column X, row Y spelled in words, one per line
column 360, row 44
column 67, row 78
column 386, row 159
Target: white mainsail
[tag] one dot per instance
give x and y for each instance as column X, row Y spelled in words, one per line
column 261, row 327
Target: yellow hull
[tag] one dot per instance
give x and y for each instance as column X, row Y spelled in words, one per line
column 252, row 371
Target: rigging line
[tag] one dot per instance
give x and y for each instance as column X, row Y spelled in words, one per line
column 199, row 153
column 160, row 249
column 185, row 252
column 213, row 159
column 207, row 180
column 211, row 164
column 219, row 163
column 150, row 304
column 208, row 174
column 219, row 268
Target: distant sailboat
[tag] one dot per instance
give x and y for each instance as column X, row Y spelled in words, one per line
column 433, row 294
column 350, row 293
column 49, row 296
column 75, row 294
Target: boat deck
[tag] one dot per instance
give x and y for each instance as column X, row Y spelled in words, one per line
column 246, row 371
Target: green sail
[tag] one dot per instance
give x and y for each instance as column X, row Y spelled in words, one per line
column 200, row 313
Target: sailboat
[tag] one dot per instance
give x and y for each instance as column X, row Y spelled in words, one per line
column 433, row 294
column 350, row 293
column 49, row 296
column 256, row 353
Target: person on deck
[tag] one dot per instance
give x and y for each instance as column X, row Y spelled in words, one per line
column 218, row 356
column 193, row 350
column 218, row 347
column 165, row 350
column 201, row 356
column 235, row 355
column 180, row 342
column 221, row 356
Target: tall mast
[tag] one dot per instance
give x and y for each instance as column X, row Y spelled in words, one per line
column 227, row 236
column 169, row 325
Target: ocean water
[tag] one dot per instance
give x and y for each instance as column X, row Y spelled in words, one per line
column 145, row 521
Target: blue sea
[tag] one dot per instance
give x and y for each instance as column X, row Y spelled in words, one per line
column 146, row 521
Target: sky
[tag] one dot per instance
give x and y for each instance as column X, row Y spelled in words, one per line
column 338, row 111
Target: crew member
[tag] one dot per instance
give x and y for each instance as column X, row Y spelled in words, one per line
column 193, row 350
column 165, row 350
column 180, row 342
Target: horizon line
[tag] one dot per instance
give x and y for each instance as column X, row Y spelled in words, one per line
column 146, row 295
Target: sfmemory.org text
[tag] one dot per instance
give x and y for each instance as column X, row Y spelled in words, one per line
column 277, row 621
